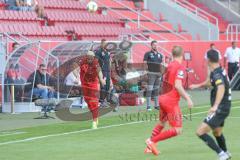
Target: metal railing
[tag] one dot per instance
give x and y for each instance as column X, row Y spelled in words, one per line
column 233, row 32
column 163, row 51
column 138, row 13
column 135, row 37
column 233, row 6
column 197, row 11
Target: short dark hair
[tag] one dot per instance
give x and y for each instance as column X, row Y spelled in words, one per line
column 212, row 44
column 103, row 40
column 42, row 65
column 213, row 56
column 154, row 41
column 233, row 42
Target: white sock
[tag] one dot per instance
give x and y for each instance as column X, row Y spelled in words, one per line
column 221, row 153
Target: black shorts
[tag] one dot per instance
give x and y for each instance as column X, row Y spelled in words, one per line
column 217, row 119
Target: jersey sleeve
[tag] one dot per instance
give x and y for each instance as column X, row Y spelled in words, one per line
column 180, row 73
column 226, row 53
column 218, row 79
column 145, row 58
column 205, row 56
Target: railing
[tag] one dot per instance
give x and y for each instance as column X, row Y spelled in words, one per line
column 138, row 13
column 234, row 6
column 197, row 11
column 163, row 51
column 203, row 15
column 233, row 32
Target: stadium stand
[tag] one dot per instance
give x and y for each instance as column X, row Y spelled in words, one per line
column 223, row 23
column 127, row 12
column 60, row 14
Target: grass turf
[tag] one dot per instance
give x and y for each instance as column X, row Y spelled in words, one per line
column 117, row 142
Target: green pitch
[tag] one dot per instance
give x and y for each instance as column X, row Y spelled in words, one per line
column 119, row 137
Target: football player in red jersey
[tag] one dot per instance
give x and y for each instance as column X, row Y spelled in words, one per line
column 90, row 75
column 172, row 90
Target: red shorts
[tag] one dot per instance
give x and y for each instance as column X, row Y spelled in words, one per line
column 91, row 95
column 170, row 111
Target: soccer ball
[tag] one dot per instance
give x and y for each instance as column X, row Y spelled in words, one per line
column 92, row 6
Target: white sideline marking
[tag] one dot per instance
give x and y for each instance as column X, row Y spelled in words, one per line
column 208, row 105
column 206, row 112
column 82, row 131
column 10, row 133
column 231, row 117
column 67, row 133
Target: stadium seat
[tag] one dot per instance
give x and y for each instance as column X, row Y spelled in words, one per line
column 62, row 4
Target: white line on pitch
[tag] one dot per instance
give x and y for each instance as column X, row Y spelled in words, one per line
column 67, row 133
column 207, row 112
column 231, row 117
column 208, row 106
column 10, row 133
column 81, row 131
column 74, row 132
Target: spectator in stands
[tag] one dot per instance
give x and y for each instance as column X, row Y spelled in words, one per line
column 26, row 5
column 138, row 4
column 19, row 81
column 32, row 5
column 152, row 63
column 232, row 56
column 13, row 5
column 104, row 61
column 42, row 88
column 73, row 80
column 11, row 74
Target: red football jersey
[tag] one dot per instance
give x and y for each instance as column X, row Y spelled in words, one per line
column 174, row 71
column 89, row 71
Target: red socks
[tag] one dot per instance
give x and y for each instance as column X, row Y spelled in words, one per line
column 95, row 113
column 164, row 135
column 158, row 128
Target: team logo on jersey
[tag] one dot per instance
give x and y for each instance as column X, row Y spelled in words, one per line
column 219, row 81
column 180, row 74
column 151, row 55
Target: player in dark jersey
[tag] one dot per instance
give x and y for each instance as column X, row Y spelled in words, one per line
column 221, row 104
